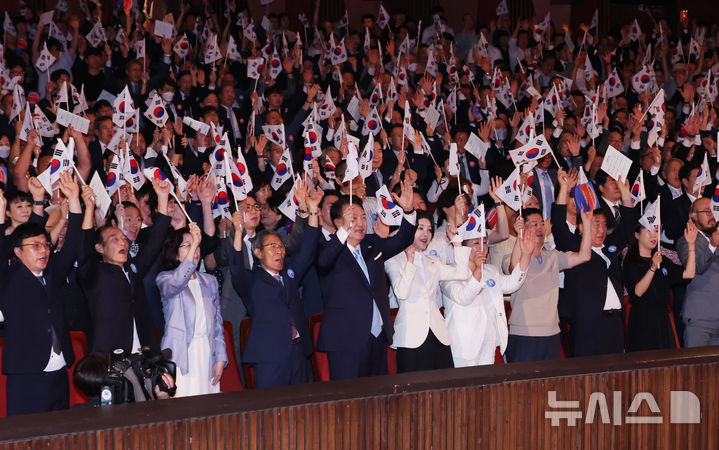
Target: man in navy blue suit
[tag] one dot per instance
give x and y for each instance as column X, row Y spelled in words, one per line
column 37, row 346
column 356, row 323
column 279, row 343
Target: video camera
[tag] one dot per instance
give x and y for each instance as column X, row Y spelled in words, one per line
column 133, row 377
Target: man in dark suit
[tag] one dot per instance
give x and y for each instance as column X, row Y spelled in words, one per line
column 593, row 290
column 544, row 184
column 609, row 199
column 37, row 347
column 118, row 305
column 675, row 213
column 231, row 118
column 356, row 324
column 279, row 343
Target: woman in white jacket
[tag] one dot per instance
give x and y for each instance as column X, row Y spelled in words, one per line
column 475, row 315
column 420, row 334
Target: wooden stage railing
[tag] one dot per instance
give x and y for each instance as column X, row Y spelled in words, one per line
column 494, row 407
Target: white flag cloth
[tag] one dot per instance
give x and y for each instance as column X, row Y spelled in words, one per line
column 652, row 215
column 376, row 95
column 255, row 66
column 365, row 160
column 221, row 205
column 382, row 17
column 283, row 171
column 483, row 46
column 714, row 204
column 694, row 48
column 290, row 205
column 526, row 129
column 638, row 192
column 61, row 161
column 233, row 178
column 372, row 124
column 389, row 212
column 80, row 106
column 678, row 53
column 613, row 85
column 327, row 108
column 156, row 110
column 212, row 50
column 275, row 64
column 352, row 161
column 18, row 100
column 453, row 163
column 595, row 20
column 241, row 165
column 131, row 170
column 642, row 80
column 509, row 191
column 45, row 59
column 179, row 180
column 533, row 151
column 114, row 175
column 551, row 103
column 123, row 108
column 475, row 226
column 27, row 123
column 635, row 31
column 218, row 154
column 96, row 36
column 8, row 26
column 275, row 133
column 502, row 8
column 42, row 124
column 233, row 52
column 338, row 53
column 704, row 176
column 182, row 46
column 407, row 123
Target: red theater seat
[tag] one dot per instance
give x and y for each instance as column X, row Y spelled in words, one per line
column 79, row 346
column 249, row 371
column 391, row 353
column 230, row 380
column 320, row 365
column 3, row 382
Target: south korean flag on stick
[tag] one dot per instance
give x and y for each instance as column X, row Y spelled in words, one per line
column 475, row 226
column 389, row 212
column 373, row 123
column 290, row 206
column 156, row 111
column 275, row 133
column 45, row 60
column 283, row 171
column 255, row 67
column 651, row 218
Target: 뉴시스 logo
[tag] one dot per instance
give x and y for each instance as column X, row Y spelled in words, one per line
column 684, row 407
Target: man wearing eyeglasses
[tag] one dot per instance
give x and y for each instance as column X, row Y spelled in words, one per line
column 279, row 343
column 37, row 347
column 700, row 313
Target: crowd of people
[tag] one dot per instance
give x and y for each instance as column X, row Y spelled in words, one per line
column 165, row 170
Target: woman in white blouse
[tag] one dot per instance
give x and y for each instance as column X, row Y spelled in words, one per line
column 420, row 334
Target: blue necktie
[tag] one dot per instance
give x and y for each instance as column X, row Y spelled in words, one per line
column 547, row 195
column 376, row 316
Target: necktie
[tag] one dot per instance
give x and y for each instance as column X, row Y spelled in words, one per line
column 233, row 122
column 547, row 195
column 278, row 277
column 463, row 166
column 55, row 341
column 293, row 329
column 617, row 214
column 376, row 328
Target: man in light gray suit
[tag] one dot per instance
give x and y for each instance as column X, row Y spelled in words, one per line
column 701, row 305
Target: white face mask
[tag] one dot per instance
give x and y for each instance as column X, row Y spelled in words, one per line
column 168, row 96
column 4, row 151
column 654, row 170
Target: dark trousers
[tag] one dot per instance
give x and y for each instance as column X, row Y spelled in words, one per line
column 369, row 361
column 604, row 335
column 37, row 392
column 283, row 373
column 532, row 348
column 431, row 355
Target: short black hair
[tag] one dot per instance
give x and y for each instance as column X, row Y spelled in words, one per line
column 529, row 212
column 686, row 170
column 89, row 373
column 336, row 209
column 261, row 237
column 26, row 231
column 329, row 193
column 171, row 247
column 18, row 196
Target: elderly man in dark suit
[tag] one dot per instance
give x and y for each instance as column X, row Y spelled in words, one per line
column 356, row 324
column 37, row 346
column 118, row 305
column 279, row 343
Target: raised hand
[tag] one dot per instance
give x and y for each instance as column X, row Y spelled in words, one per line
column 36, row 189
column 656, row 259
column 195, row 234
column 495, row 184
column 206, row 190
column 690, row 233
column 314, row 199
column 88, row 197
column 405, row 199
